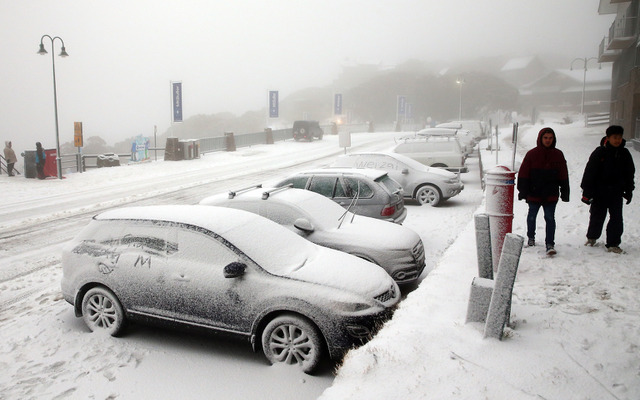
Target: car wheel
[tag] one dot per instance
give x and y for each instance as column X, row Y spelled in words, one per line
column 102, row 312
column 292, row 340
column 428, row 194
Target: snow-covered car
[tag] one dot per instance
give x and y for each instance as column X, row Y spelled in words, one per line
column 442, row 151
column 476, row 127
column 397, row 249
column 421, row 183
column 364, row 192
column 224, row 270
column 108, row 160
column 464, row 137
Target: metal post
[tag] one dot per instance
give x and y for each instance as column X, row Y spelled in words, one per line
column 63, row 53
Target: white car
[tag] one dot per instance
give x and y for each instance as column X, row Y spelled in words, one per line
column 443, row 151
column 224, row 270
column 397, row 249
column 424, row 184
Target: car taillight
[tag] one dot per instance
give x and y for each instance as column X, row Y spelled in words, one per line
column 388, row 211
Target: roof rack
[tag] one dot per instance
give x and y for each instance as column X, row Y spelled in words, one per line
column 233, row 193
column 267, row 193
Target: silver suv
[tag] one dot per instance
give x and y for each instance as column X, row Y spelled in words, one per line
column 419, row 182
column 397, row 249
column 364, row 192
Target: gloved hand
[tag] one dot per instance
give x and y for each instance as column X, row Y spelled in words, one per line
column 586, row 200
column 627, row 196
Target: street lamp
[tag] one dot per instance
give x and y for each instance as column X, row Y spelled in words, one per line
column 460, row 81
column 585, row 61
column 63, row 53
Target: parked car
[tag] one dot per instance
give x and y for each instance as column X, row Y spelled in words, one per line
column 439, row 152
column 424, row 184
column 397, row 249
column 364, row 192
column 108, row 160
column 464, row 137
column 476, row 127
column 224, row 270
column 307, row 130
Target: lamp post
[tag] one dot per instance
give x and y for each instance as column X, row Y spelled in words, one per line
column 585, row 61
column 63, row 53
column 460, row 81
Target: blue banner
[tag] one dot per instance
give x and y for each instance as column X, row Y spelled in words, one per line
column 273, row 104
column 176, row 101
column 402, row 104
column 337, row 104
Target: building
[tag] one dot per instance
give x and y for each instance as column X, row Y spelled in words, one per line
column 621, row 48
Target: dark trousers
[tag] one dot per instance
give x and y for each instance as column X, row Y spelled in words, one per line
column 10, row 169
column 598, row 213
column 40, row 169
column 549, row 218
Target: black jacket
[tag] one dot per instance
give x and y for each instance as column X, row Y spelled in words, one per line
column 609, row 171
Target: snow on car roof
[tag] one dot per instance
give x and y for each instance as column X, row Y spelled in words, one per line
column 370, row 173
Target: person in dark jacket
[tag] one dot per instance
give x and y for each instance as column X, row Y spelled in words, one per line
column 542, row 179
column 608, row 178
column 40, row 159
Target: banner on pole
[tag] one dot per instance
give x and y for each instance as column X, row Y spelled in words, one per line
column 337, row 104
column 273, row 104
column 402, row 105
column 176, row 101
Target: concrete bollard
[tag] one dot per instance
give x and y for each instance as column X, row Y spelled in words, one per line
column 483, row 246
column 479, row 299
column 500, row 306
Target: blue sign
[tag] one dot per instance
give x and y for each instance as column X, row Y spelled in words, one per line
column 337, row 104
column 273, row 104
column 402, row 105
column 409, row 110
column 176, row 101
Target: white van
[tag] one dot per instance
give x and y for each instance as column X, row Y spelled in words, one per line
column 435, row 151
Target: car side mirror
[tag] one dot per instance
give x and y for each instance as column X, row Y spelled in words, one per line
column 405, row 171
column 234, row 269
column 304, row 225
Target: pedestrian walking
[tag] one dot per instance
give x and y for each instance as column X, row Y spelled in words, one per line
column 608, row 178
column 543, row 178
column 40, row 159
column 10, row 157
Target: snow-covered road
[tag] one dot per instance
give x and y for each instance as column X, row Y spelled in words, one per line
column 49, row 353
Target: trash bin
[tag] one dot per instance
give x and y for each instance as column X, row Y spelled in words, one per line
column 29, row 163
column 269, row 135
column 173, row 149
column 500, row 183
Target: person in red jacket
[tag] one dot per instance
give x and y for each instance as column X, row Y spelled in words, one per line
column 542, row 179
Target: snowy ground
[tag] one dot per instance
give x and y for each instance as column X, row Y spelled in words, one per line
column 48, row 353
column 575, row 330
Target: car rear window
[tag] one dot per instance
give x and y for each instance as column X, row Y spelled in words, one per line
column 389, row 183
column 358, row 186
column 299, row 182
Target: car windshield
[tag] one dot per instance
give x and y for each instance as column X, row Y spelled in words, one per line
column 276, row 249
column 325, row 213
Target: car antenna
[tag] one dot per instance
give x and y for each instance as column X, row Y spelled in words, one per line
column 233, row 193
column 265, row 194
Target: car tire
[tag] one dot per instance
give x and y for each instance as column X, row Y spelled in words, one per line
column 428, row 194
column 292, row 340
column 102, row 312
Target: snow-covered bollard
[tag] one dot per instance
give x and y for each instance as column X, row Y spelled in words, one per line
column 483, row 246
column 500, row 183
column 479, row 299
column 500, row 306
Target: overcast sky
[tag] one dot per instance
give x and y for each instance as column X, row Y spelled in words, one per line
column 123, row 54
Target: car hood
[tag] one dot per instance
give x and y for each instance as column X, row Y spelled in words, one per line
column 343, row 271
column 370, row 233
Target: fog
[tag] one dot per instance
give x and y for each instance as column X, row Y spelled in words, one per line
column 229, row 54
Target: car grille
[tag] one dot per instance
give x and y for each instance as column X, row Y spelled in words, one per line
column 386, row 296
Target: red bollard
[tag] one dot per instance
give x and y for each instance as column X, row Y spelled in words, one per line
column 500, row 182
